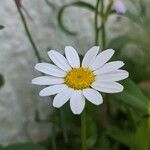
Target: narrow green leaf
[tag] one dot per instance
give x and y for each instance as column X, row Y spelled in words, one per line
column 61, row 12
column 24, row 146
column 1, row 80
column 137, row 20
column 104, row 143
column 115, row 146
column 121, row 41
column 121, row 135
column 133, row 96
column 1, row 27
column 133, row 17
column 142, row 135
column 92, row 133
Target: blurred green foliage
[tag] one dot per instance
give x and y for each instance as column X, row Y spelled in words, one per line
column 1, row 27
column 23, row 146
column 1, row 80
column 1, row 77
column 134, row 97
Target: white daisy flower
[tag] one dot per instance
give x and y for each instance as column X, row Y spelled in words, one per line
column 70, row 80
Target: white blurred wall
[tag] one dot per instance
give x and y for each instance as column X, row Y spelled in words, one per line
column 18, row 98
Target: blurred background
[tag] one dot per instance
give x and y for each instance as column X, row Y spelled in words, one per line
column 24, row 116
column 18, row 98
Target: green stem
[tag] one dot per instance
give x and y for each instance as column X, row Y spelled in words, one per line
column 63, row 126
column 103, row 32
column 83, row 130
column 28, row 32
column 131, row 117
column 54, row 144
column 102, row 7
column 96, row 23
column 103, row 36
column 50, row 4
column 104, row 108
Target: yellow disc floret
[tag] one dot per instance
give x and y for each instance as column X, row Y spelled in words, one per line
column 79, row 78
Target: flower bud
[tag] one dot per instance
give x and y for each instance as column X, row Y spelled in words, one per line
column 119, row 7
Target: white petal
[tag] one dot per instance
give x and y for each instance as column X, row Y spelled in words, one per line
column 93, row 96
column 47, row 80
column 107, row 86
column 50, row 69
column 72, row 57
column 113, row 76
column 90, row 56
column 51, row 90
column 102, row 58
column 59, row 60
column 77, row 102
column 61, row 98
column 109, row 67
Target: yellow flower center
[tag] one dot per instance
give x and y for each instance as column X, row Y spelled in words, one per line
column 79, row 78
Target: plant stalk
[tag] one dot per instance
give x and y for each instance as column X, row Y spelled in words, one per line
column 83, row 130
column 103, row 33
column 96, row 23
column 103, row 36
column 62, row 120
column 54, row 143
column 104, row 108
column 24, row 22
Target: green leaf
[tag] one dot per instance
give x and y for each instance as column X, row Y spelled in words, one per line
column 115, row 146
column 138, row 140
column 61, row 12
column 142, row 135
column 121, row 135
column 1, row 80
column 92, row 133
column 104, row 143
column 1, row 27
column 24, row 146
column 133, row 96
column 121, row 41
column 138, row 20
